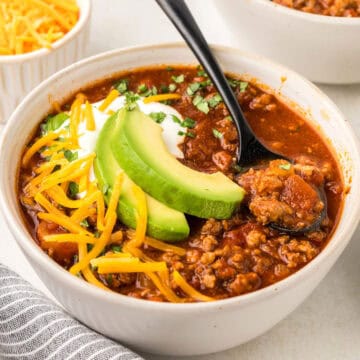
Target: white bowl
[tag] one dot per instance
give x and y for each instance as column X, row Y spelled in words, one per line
column 325, row 49
column 19, row 74
column 179, row 329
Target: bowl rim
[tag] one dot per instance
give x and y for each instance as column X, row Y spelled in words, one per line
column 85, row 11
column 31, row 249
column 316, row 18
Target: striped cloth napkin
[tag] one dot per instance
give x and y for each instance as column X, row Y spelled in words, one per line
column 33, row 327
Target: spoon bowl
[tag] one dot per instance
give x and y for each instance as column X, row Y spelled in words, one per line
column 250, row 151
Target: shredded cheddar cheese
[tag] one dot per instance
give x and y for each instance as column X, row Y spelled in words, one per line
column 117, row 266
column 109, row 99
column 29, row 25
column 160, row 245
column 164, row 289
column 41, row 142
column 161, row 97
column 89, row 116
column 76, row 238
column 188, row 289
column 141, row 218
column 110, row 219
column 86, row 272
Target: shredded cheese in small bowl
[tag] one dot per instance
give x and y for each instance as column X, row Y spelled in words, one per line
column 38, row 38
column 29, row 25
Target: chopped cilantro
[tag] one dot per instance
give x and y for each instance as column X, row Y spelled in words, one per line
column 201, row 71
column 201, row 104
column 243, row 86
column 116, row 248
column 158, row 117
column 109, row 279
column 193, row 88
column 84, row 223
column 237, row 83
column 130, row 100
column 188, row 123
column 56, row 168
column 169, row 68
column 121, row 86
column 89, row 247
column 176, row 119
column 154, row 90
column 183, row 133
column 97, row 234
column 215, row 100
column 164, row 89
column 70, row 155
column 73, row 189
column 105, row 189
column 285, row 166
column 142, row 88
column 172, row 87
column 178, row 79
column 217, row 133
column 53, row 122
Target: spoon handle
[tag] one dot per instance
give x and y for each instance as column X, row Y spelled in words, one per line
column 181, row 17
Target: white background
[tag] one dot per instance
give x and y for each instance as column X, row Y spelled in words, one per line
column 327, row 325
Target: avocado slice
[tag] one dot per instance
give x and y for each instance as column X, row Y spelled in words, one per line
column 164, row 223
column 139, row 148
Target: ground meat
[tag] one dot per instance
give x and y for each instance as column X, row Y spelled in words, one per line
column 223, row 160
column 244, row 283
column 296, row 253
column 263, row 101
column 345, row 8
column 276, row 194
column 212, row 227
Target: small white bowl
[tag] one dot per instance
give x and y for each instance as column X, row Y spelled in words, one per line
column 164, row 328
column 19, row 74
column 325, row 49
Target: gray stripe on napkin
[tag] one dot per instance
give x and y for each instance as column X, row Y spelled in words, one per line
column 32, row 327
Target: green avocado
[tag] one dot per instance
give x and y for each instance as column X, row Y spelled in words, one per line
column 164, row 223
column 139, row 148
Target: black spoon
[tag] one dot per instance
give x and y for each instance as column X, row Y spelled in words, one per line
column 250, row 150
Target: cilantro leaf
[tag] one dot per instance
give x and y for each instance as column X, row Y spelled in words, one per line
column 243, row 86
column 188, row 123
column 172, row 87
column 217, row 133
column 84, row 223
column 178, row 79
column 70, row 155
column 215, row 100
column 142, row 88
column 193, row 88
column 116, row 248
column 73, row 189
column 130, row 100
column 285, row 166
column 201, row 104
column 121, row 86
column 53, row 122
column 175, row 119
column 158, row 117
column 183, row 133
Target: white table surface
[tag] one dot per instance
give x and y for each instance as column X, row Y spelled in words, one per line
column 327, row 325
